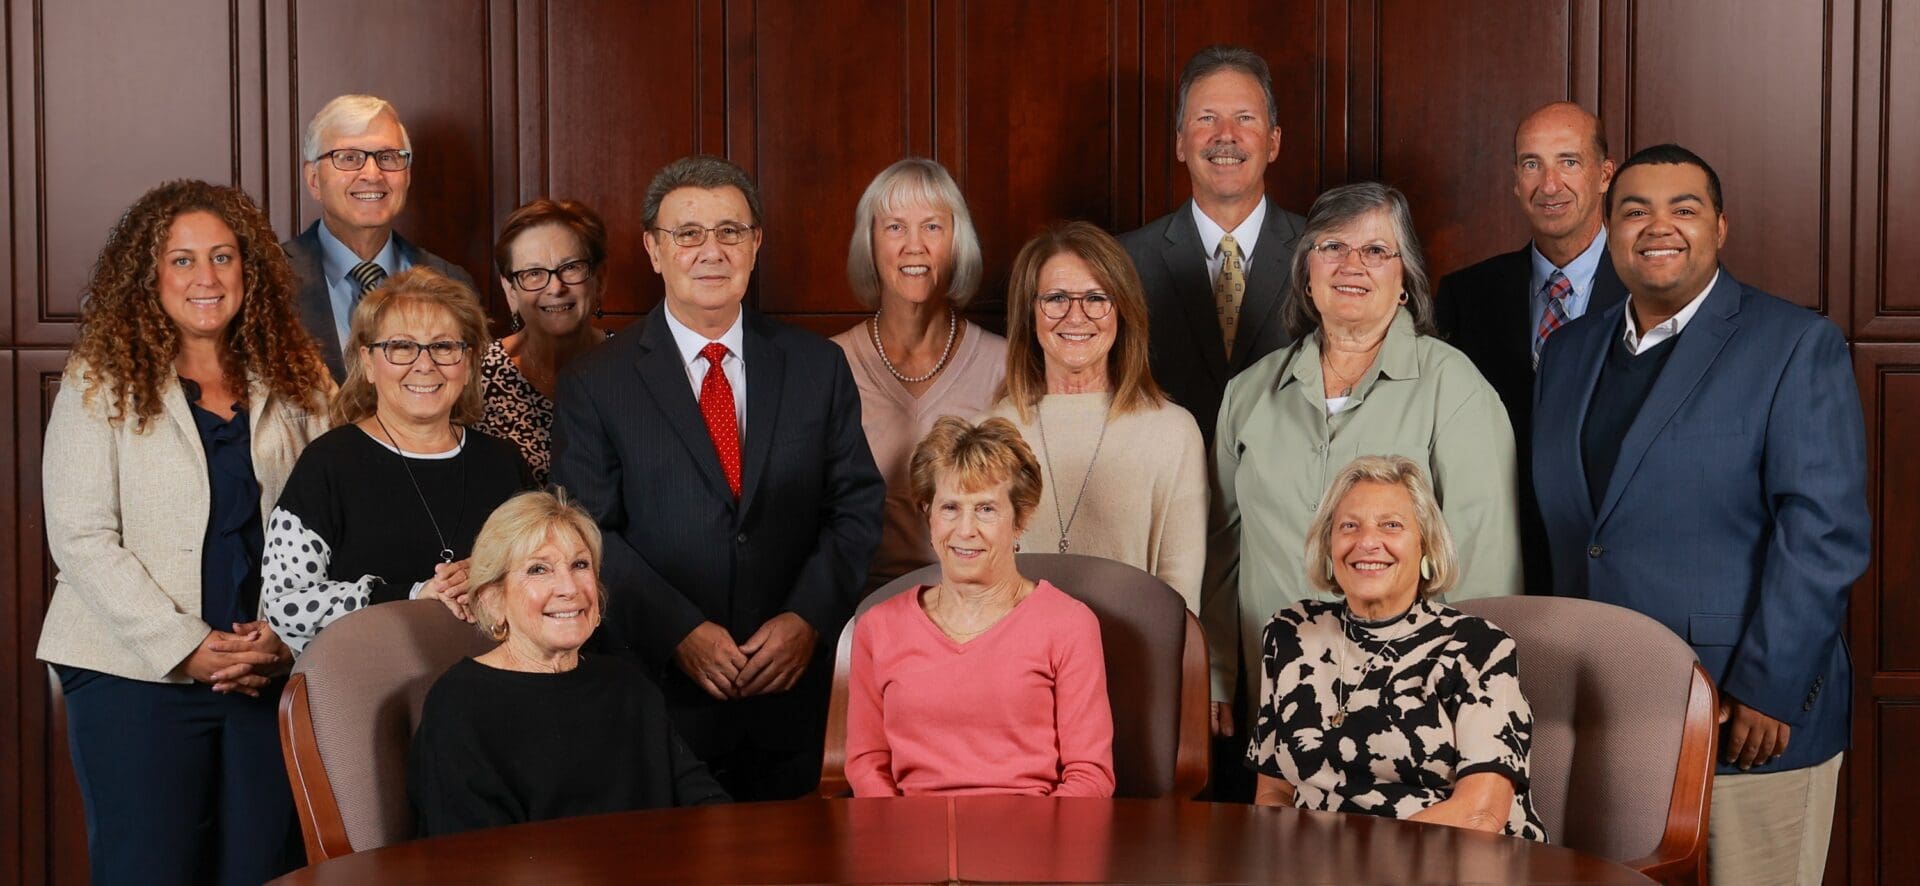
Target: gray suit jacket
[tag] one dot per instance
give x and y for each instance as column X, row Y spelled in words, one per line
column 316, row 308
column 1188, row 356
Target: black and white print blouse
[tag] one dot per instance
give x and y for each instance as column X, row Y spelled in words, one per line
column 1384, row 718
column 516, row 411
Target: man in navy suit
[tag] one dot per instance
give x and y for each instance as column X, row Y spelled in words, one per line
column 722, row 455
column 1499, row 311
column 359, row 164
column 1699, row 456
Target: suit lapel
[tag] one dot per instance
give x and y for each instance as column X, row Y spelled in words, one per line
column 766, row 377
column 665, row 377
column 1693, row 353
column 1607, row 288
column 1266, row 283
column 1187, row 264
column 1587, row 361
column 316, row 304
column 1513, row 309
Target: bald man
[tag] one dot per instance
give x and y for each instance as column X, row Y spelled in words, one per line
column 1500, row 311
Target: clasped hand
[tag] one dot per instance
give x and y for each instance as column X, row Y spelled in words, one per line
column 239, row 661
column 1752, row 738
column 449, row 586
column 771, row 660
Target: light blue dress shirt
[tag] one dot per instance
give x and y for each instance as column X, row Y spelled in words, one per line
column 336, row 260
column 1579, row 272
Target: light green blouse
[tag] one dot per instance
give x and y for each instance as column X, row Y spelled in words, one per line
column 1277, row 449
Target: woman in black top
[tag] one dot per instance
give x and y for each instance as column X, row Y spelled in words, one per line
column 385, row 506
column 533, row 729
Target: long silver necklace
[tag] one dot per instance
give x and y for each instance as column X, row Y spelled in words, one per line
column 1342, row 693
column 1066, row 522
column 446, row 550
column 953, row 325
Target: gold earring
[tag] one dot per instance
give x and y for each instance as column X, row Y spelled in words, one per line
column 1426, row 568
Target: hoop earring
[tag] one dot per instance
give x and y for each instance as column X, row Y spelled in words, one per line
column 1403, row 298
column 498, row 632
column 1426, row 568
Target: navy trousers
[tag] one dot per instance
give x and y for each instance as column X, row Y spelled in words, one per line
column 182, row 785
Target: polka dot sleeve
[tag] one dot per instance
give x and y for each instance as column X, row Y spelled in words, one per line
column 296, row 591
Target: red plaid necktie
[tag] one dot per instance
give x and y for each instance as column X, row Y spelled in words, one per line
column 716, row 404
column 1555, row 316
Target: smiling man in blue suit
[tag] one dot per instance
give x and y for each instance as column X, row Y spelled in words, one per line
column 1699, row 456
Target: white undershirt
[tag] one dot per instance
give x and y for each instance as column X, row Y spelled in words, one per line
column 1637, row 343
column 734, row 364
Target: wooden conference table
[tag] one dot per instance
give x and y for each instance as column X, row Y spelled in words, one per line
column 970, row 839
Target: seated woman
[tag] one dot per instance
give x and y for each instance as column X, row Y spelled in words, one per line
column 1387, row 702
column 385, row 506
column 986, row 683
column 533, row 729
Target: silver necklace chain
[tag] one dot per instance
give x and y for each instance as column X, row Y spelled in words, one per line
column 953, row 326
column 1342, row 693
column 1066, row 522
column 446, row 552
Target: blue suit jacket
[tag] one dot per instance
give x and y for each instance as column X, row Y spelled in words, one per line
column 1736, row 514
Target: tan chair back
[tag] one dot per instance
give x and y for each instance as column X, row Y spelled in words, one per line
column 1157, row 680
column 348, row 715
column 1623, row 731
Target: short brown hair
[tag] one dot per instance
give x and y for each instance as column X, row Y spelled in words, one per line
column 977, row 456
column 1436, row 541
column 517, row 528
column 411, row 288
column 705, row 172
column 1127, row 369
column 576, row 217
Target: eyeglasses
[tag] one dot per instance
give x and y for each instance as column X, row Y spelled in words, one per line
column 1372, row 255
column 352, row 159
column 401, row 352
column 535, row 279
column 1057, row 304
column 986, row 514
column 728, row 233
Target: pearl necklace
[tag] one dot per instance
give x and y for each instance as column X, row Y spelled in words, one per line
column 953, row 326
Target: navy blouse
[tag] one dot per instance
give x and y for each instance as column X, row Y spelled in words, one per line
column 230, row 554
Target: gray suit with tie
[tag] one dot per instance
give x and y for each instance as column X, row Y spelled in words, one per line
column 316, row 308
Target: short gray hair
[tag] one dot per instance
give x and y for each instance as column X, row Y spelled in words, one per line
column 1222, row 57
column 703, row 171
column 1338, row 208
column 905, row 183
column 1436, row 541
column 350, row 115
column 516, row 529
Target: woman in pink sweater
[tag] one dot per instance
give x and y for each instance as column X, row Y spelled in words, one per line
column 987, row 683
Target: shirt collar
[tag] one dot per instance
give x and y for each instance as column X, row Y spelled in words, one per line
column 1246, row 234
column 1673, row 325
column 1399, row 358
column 1579, row 272
column 690, row 342
column 336, row 259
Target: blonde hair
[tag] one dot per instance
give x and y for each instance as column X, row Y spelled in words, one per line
column 515, row 529
column 905, row 183
column 1127, row 371
column 1436, row 541
column 976, row 457
column 412, row 289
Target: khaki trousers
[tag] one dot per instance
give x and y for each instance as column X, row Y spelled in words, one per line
column 1772, row 827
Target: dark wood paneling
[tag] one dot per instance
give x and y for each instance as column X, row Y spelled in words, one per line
column 1898, row 808
column 1889, row 138
column 825, row 123
column 11, row 642
column 1746, row 90
column 1446, row 120
column 1895, row 426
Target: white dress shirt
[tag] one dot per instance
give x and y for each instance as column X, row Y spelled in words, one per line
column 1247, row 235
column 1637, row 343
column 734, row 365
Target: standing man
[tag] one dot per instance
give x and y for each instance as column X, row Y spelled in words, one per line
column 1699, row 456
column 722, row 454
column 1500, row 311
column 359, row 162
column 1215, row 272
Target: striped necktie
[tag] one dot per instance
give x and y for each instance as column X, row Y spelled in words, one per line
column 1558, row 287
column 368, row 275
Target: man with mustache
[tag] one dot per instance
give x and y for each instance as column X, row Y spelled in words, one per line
column 1699, row 456
column 1215, row 271
column 1501, row 310
column 359, row 163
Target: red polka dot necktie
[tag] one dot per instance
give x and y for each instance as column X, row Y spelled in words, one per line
column 716, row 405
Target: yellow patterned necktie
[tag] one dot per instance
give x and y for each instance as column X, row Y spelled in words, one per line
column 1229, row 289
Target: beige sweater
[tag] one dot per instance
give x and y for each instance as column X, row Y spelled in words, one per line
column 1146, row 500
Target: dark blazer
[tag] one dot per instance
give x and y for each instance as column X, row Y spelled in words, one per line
column 1736, row 514
column 630, row 445
column 1486, row 311
column 1187, row 352
column 316, row 308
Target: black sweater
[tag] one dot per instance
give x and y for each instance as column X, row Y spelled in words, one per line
column 501, row 747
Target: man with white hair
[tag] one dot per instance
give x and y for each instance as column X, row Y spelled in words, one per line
column 359, row 163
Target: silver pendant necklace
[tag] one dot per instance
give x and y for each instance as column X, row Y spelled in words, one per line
column 446, row 551
column 953, row 325
column 1066, row 522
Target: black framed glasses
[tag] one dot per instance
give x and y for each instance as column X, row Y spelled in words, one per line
column 352, row 159
column 1372, row 255
column 572, row 273
column 1057, row 304
column 402, row 352
column 728, row 233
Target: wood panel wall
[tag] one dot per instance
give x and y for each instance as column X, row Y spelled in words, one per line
column 1810, row 109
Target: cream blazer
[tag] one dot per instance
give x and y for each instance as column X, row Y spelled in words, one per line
column 126, row 517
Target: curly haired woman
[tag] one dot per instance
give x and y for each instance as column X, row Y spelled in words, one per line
column 189, row 395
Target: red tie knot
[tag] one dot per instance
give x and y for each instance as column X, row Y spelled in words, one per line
column 714, row 352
